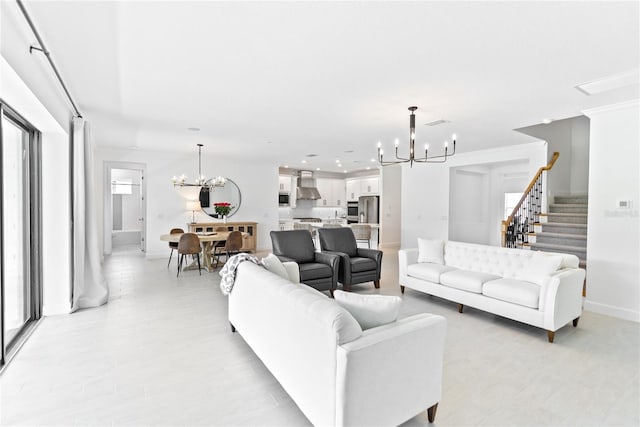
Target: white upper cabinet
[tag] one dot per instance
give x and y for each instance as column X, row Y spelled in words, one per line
column 370, row 186
column 284, row 183
column 365, row 186
column 353, row 189
column 332, row 192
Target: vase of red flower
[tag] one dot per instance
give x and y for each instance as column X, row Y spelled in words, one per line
column 222, row 209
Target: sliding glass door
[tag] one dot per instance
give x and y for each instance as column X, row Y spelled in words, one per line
column 20, row 302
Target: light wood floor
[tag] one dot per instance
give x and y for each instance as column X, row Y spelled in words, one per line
column 161, row 353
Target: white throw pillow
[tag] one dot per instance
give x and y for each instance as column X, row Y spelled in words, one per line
column 431, row 251
column 369, row 310
column 539, row 268
column 274, row 265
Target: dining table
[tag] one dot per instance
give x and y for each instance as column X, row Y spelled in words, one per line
column 206, row 241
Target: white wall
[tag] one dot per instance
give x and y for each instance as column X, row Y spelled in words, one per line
column 569, row 137
column 56, row 225
column 166, row 206
column 425, row 188
column 390, row 206
column 469, row 205
column 613, row 245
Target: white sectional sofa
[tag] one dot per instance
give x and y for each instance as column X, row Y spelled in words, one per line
column 335, row 372
column 538, row 288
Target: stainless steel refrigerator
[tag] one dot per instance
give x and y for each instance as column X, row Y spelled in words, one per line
column 368, row 208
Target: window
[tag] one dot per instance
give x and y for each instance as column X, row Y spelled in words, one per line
column 20, row 284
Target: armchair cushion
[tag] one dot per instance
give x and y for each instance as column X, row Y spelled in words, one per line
column 359, row 264
column 314, row 270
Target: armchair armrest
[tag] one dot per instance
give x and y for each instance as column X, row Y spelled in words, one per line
column 412, row 381
column 373, row 254
column 332, row 260
column 344, row 267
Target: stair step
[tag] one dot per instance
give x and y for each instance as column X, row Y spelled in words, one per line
column 567, row 208
column 574, row 218
column 581, row 199
column 548, row 247
column 562, row 239
column 562, row 228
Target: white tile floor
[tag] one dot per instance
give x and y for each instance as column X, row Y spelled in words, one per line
column 161, row 353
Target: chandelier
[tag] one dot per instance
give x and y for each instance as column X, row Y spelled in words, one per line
column 412, row 142
column 201, row 180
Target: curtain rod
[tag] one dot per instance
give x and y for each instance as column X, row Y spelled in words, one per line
column 44, row 50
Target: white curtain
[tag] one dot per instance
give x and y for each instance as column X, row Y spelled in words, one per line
column 90, row 288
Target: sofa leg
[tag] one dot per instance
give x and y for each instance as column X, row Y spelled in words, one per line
column 551, row 335
column 575, row 321
column 376, row 283
column 233, row 328
column 431, row 413
column 460, row 308
column 402, row 288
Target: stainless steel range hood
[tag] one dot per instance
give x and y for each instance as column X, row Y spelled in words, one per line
column 307, row 186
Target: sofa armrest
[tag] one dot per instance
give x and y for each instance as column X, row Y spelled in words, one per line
column 293, row 271
column 563, row 298
column 391, row 372
column 406, row 257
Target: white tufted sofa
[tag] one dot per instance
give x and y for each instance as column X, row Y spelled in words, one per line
column 512, row 283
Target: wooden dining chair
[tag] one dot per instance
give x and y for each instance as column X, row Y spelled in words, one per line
column 231, row 247
column 174, row 245
column 189, row 244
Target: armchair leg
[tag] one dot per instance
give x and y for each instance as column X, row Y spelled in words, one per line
column 575, row 321
column 402, row 288
column 346, row 287
column 460, row 308
column 376, row 283
column 551, row 335
column 431, row 413
column 233, row 328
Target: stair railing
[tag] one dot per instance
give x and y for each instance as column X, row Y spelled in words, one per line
column 516, row 228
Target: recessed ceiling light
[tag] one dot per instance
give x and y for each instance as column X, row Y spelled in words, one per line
column 286, row 166
column 304, row 161
column 337, row 160
column 194, row 129
column 373, row 160
column 345, row 171
column 134, row 147
column 547, row 121
column 349, row 151
column 368, row 167
column 317, row 169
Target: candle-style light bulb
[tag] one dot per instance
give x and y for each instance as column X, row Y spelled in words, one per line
column 381, row 151
column 397, row 142
column 446, row 145
column 453, row 137
column 379, row 145
column 174, row 179
column 413, row 135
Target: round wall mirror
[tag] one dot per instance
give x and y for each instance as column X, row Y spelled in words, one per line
column 227, row 194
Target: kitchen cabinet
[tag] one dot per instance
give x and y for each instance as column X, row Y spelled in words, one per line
column 369, row 186
column 353, row 189
column 365, row 186
column 284, row 182
column 332, row 192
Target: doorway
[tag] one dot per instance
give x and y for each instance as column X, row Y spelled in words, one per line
column 124, row 207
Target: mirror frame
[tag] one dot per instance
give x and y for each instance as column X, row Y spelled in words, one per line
column 233, row 212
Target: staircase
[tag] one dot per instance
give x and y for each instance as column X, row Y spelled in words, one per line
column 563, row 228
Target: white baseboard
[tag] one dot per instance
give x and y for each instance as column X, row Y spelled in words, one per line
column 609, row 310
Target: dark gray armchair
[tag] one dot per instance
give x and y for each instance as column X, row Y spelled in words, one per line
column 357, row 265
column 318, row 270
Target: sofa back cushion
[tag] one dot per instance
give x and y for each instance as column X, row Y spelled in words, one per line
column 431, row 251
column 294, row 244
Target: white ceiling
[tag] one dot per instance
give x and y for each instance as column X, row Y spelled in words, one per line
column 278, row 81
